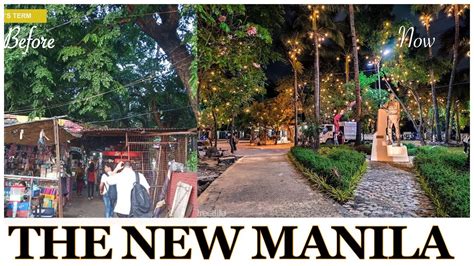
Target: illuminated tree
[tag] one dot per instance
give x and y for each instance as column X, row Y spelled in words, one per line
column 355, row 50
column 231, row 56
column 295, row 50
column 456, row 11
column 411, row 77
column 427, row 12
column 319, row 30
column 335, row 96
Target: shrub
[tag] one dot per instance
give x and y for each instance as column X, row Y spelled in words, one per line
column 411, row 148
column 446, row 175
column 364, row 148
column 338, row 169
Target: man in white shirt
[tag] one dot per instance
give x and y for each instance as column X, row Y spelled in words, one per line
column 124, row 181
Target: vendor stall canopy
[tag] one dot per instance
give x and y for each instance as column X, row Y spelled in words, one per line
column 108, row 132
column 26, row 132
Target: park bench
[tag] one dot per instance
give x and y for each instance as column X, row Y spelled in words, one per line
column 226, row 159
column 213, row 152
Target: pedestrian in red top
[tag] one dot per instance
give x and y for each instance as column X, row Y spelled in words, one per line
column 336, row 121
column 90, row 181
column 79, row 179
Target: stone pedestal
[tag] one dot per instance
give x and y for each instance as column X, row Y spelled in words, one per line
column 398, row 154
column 381, row 151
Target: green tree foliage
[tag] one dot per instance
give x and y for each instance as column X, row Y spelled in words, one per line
column 409, row 76
column 277, row 112
column 233, row 49
column 103, row 69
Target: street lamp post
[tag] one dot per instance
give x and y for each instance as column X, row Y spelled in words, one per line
column 377, row 64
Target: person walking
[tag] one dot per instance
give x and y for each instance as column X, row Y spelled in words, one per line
column 79, row 174
column 465, row 142
column 64, row 175
column 337, row 126
column 108, row 192
column 235, row 140
column 124, row 178
column 230, row 136
column 91, row 181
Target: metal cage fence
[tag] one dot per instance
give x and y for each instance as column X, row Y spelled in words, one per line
column 155, row 152
column 149, row 151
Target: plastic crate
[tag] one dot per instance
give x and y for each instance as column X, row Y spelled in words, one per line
column 19, row 214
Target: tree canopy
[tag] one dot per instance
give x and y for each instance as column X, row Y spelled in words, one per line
column 106, row 68
column 238, row 48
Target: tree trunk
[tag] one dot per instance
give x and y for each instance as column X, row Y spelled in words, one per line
column 432, row 127
column 356, row 75
column 289, row 132
column 458, row 127
column 453, row 72
column 316, row 87
column 346, row 64
column 296, row 105
column 214, row 117
column 166, row 36
column 437, row 125
column 420, row 110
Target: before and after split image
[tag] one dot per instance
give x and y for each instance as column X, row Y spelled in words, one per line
column 182, row 111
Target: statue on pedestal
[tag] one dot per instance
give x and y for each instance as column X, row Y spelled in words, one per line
column 393, row 111
column 382, row 150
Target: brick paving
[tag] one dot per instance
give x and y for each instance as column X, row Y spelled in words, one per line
column 388, row 191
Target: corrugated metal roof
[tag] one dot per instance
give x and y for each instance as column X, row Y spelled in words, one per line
column 121, row 131
column 136, row 129
column 71, row 127
column 28, row 133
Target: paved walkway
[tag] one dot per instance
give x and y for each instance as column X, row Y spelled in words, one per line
column 81, row 207
column 388, row 191
column 264, row 184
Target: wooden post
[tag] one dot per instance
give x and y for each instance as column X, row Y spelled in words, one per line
column 58, row 167
column 186, row 148
column 31, row 196
column 156, row 176
column 128, row 146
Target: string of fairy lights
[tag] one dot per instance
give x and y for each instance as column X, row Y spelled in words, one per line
column 334, row 87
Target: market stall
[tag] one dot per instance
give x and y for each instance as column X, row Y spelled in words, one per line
column 153, row 152
column 36, row 153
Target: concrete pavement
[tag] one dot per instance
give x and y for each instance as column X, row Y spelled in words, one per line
column 81, row 207
column 264, row 184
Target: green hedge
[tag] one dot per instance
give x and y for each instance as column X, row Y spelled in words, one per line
column 445, row 173
column 336, row 169
column 411, row 148
column 367, row 148
column 364, row 148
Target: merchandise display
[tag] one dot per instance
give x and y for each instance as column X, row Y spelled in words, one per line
column 30, row 196
column 36, row 162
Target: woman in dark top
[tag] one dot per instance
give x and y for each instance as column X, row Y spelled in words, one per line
column 90, row 181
